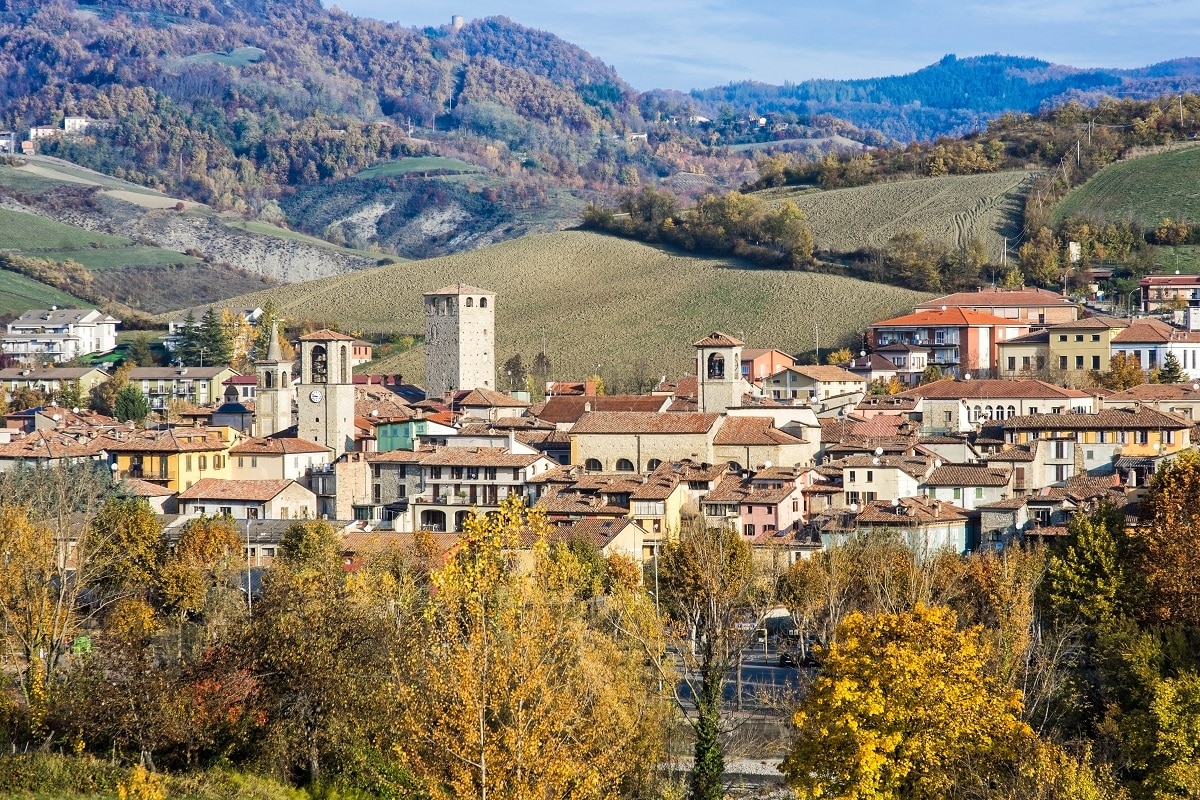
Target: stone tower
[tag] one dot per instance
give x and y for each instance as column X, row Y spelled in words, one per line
column 275, row 395
column 326, row 391
column 719, row 383
column 460, row 334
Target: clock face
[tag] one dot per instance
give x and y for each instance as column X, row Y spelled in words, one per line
column 315, row 396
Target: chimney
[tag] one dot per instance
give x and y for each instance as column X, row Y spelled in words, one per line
column 587, row 407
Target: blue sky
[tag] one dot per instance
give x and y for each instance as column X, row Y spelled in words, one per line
column 683, row 45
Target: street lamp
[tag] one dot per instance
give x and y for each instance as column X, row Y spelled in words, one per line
column 249, row 588
column 1129, row 299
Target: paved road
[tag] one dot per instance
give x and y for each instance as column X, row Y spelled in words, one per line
column 762, row 677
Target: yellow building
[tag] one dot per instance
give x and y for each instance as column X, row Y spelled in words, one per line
column 175, row 458
column 1079, row 347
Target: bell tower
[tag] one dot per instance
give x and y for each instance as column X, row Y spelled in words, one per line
column 719, row 383
column 460, row 335
column 326, row 391
column 275, row 396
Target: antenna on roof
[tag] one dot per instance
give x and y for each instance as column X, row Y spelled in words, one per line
column 878, row 451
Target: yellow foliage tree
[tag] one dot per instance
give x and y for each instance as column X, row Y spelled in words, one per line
column 515, row 695
column 904, row 708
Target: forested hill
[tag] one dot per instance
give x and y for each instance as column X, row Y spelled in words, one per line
column 955, row 95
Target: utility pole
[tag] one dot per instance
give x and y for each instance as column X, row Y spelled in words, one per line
column 1180, row 115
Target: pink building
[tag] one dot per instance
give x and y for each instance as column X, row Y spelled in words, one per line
column 767, row 501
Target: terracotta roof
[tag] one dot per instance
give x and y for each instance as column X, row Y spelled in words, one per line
column 992, row 389
column 1000, row 298
column 478, row 456
column 871, row 361
column 486, row 398
column 559, row 409
column 1149, row 392
column 965, row 475
column 1008, row 504
column 600, row 532
column 326, row 335
column 687, row 386
column 1145, row 331
column 882, row 425
column 1170, row 280
column 276, row 447
column 175, row 440
column 825, row 374
column 218, row 489
column 51, row 374
column 1110, row 419
column 888, row 402
column 140, row 488
column 916, row 466
column 901, row 347
column 753, row 431
column 380, row 404
column 618, row 422
column 52, row 444
column 736, row 490
column 570, row 502
column 240, row 380
column 460, row 288
column 952, row 317
column 399, row 456
column 1036, row 337
column 1015, row 453
column 911, row 510
column 718, row 339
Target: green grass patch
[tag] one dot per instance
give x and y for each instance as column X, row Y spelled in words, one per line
column 19, row 294
column 405, row 166
column 1142, row 190
column 1185, row 259
column 22, row 181
column 267, row 229
column 21, row 231
column 118, row 257
column 238, row 57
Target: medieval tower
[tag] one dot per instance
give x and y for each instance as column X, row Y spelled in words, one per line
column 460, row 333
column 326, row 391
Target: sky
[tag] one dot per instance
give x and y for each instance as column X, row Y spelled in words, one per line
column 675, row 44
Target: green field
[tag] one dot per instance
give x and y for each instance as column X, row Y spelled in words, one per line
column 267, row 229
column 405, row 166
column 239, row 57
column 44, row 238
column 600, row 300
column 19, row 294
column 1184, row 259
column 950, row 209
column 1141, row 190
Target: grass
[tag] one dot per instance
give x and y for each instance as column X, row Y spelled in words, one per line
column 267, row 229
column 1185, row 259
column 1142, row 190
column 238, row 57
column 39, row 237
column 950, row 209
column 117, row 257
column 19, row 294
column 404, row 166
column 597, row 299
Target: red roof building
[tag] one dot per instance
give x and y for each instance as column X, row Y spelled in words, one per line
column 959, row 341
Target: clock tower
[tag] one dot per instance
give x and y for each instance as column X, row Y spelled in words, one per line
column 326, row 391
column 275, row 395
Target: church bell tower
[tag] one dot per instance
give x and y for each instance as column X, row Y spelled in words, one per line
column 326, row 391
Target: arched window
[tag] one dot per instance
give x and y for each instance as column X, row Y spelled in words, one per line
column 460, row 517
column 433, row 520
column 483, row 302
column 735, row 466
column 976, row 413
column 1012, row 411
column 345, row 364
column 653, row 464
column 469, row 303
column 319, row 364
column 624, row 465
column 716, row 366
column 593, row 465
column 988, row 413
column 268, row 380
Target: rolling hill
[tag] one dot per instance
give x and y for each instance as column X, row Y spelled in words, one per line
column 951, row 209
column 600, row 300
column 1143, row 190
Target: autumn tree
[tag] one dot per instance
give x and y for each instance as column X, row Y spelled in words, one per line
column 196, row 575
column 903, row 708
column 26, row 397
column 839, row 357
column 1041, row 259
column 70, row 395
column 103, row 397
column 514, row 694
column 1124, row 371
column 1166, row 565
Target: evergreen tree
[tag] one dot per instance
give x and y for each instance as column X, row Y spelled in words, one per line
column 131, row 404
column 1171, row 371
column 140, row 352
column 215, row 342
column 187, row 349
column 1086, row 579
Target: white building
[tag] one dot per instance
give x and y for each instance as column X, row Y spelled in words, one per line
column 60, row 334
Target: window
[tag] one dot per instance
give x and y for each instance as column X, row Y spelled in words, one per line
column 218, row 462
column 947, row 417
column 253, row 462
column 203, row 463
column 319, row 365
column 1025, row 362
column 1089, row 455
column 187, row 463
column 225, row 511
column 1168, row 437
column 483, row 302
column 1143, row 437
column 853, row 478
column 1095, row 337
column 1079, row 337
column 749, row 530
column 376, row 471
column 978, row 492
column 870, row 476
column 957, row 493
column 377, row 493
column 435, row 473
column 592, row 465
column 624, row 465
column 241, row 462
column 1062, row 362
column 456, row 473
column 653, row 464
column 1095, row 362
column 716, row 366
column 1012, row 363
column 198, row 509
column 1078, row 362
column 851, row 498
column 1012, row 411
column 489, row 473
column 1062, row 337
column 470, row 302
column 1033, row 410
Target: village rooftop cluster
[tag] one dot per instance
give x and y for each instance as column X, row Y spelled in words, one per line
column 1005, row 447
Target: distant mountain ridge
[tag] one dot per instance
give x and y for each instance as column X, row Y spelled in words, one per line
column 954, row 95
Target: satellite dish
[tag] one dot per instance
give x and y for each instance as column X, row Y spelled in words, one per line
column 967, row 377
column 854, row 506
column 943, row 308
column 937, row 464
column 862, row 353
column 878, row 451
column 767, row 465
column 875, row 462
column 75, row 410
column 1196, row 387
